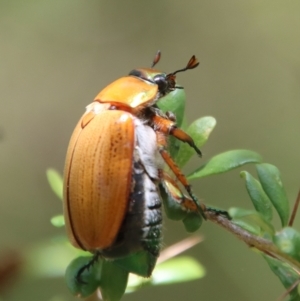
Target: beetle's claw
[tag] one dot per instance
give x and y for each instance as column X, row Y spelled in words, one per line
column 86, row 267
column 224, row 213
column 201, row 208
column 198, row 151
column 79, row 274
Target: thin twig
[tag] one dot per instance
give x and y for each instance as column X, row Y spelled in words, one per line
column 261, row 244
column 178, row 248
column 295, row 208
column 287, row 292
column 10, row 268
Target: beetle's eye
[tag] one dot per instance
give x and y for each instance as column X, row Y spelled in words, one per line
column 162, row 82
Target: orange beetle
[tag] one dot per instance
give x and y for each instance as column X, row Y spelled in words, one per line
column 114, row 164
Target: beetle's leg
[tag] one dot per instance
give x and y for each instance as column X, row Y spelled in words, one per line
column 217, row 211
column 183, row 136
column 86, row 267
column 169, row 127
column 162, row 143
column 181, row 177
column 174, row 191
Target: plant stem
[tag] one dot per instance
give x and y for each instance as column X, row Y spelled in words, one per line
column 253, row 241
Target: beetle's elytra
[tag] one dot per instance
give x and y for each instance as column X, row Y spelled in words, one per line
column 114, row 164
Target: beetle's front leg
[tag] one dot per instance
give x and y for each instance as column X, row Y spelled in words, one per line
column 169, row 127
column 162, row 144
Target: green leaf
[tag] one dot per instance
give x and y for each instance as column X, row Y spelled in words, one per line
column 141, row 263
column 110, row 278
column 58, row 221
column 225, row 162
column 175, row 103
column 113, row 281
column 89, row 279
column 288, row 241
column 37, row 263
column 56, row 182
column 258, row 197
column 172, row 201
column 184, row 124
column 287, row 275
column 252, row 222
column 199, row 130
column 135, row 283
column 192, row 221
column 177, row 270
column 173, row 146
column 270, row 180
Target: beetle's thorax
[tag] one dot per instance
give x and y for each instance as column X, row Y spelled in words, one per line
column 129, row 91
column 142, row 88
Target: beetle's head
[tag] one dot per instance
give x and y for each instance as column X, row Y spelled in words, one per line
column 165, row 82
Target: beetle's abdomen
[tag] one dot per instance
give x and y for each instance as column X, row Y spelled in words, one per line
column 142, row 226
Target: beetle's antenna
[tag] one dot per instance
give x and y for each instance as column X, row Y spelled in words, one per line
column 193, row 63
column 156, row 58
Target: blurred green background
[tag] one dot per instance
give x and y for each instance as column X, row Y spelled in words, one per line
column 55, row 56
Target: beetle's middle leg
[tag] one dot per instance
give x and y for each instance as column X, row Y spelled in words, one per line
column 173, row 190
column 162, row 144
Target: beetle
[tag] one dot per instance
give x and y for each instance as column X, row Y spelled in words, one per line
column 115, row 162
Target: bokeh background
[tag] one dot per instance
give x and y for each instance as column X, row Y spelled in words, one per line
column 56, row 55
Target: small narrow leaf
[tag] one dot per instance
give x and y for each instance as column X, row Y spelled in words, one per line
column 184, row 124
column 252, row 222
column 174, row 102
column 36, row 258
column 173, row 146
column 175, row 270
column 140, row 263
column 258, row 197
column 135, row 282
column 89, row 279
column 178, row 269
column 113, row 281
column 192, row 221
column 225, row 162
column 56, row 182
column 287, row 275
column 199, row 130
column 288, row 241
column 58, row 221
column 270, row 180
column 172, row 198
